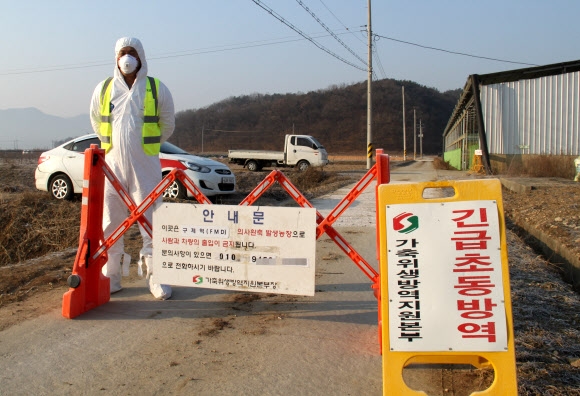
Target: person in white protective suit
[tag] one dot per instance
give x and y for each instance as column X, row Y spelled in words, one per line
column 131, row 139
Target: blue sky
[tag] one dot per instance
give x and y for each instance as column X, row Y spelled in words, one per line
column 55, row 52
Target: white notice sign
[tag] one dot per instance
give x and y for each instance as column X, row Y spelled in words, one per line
column 242, row 248
column 445, row 285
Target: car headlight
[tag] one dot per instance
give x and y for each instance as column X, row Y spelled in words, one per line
column 196, row 167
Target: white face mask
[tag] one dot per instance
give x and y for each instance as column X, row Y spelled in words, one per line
column 127, row 64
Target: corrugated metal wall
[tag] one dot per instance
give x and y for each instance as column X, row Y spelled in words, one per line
column 538, row 116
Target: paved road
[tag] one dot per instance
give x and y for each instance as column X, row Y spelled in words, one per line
column 208, row 342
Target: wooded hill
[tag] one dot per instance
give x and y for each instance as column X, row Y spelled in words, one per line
column 336, row 116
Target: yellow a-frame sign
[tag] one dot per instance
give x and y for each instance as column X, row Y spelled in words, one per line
column 445, row 293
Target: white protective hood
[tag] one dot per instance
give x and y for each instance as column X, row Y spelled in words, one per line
column 135, row 43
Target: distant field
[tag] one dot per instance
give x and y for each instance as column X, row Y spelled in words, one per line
column 361, row 158
column 347, row 158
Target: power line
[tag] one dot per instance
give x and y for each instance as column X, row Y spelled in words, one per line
column 330, row 32
column 233, row 47
column 375, row 52
column 379, row 62
column 320, row 46
column 200, row 51
column 454, row 52
column 343, row 25
column 54, row 68
column 250, row 44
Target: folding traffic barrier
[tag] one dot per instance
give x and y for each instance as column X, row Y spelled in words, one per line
column 89, row 288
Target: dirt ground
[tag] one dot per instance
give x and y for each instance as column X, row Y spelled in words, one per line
column 552, row 207
column 546, row 314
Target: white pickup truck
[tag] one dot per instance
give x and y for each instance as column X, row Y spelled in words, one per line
column 300, row 151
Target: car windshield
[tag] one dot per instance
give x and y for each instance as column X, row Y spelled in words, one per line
column 81, row 145
column 320, row 146
column 168, row 148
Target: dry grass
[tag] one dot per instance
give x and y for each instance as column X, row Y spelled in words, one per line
column 440, row 163
column 311, row 183
column 313, row 179
column 531, row 166
column 537, row 166
column 32, row 225
column 546, row 325
column 551, row 166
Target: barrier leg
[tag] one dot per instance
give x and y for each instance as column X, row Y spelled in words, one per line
column 89, row 288
column 383, row 177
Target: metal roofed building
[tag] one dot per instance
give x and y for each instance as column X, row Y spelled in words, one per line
column 514, row 115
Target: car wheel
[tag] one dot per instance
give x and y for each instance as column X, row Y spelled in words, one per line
column 253, row 166
column 175, row 190
column 61, row 187
column 303, row 165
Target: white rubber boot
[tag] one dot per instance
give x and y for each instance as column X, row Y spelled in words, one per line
column 126, row 264
column 159, row 291
column 112, row 269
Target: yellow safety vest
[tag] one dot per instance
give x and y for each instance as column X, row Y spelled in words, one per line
column 151, row 133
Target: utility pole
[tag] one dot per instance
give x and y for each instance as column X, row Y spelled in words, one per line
column 369, row 91
column 202, row 127
column 421, row 136
column 404, row 128
column 414, row 134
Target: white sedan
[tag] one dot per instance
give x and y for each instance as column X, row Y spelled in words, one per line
column 60, row 170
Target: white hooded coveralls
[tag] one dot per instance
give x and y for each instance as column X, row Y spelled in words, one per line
column 138, row 172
